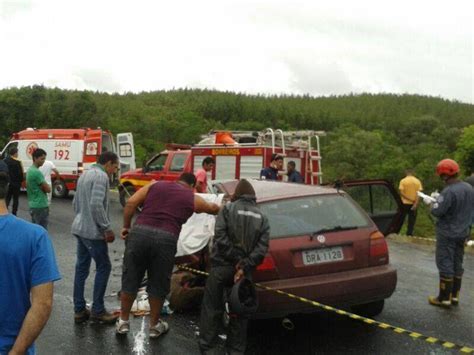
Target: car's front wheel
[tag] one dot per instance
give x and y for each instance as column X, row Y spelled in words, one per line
column 369, row 309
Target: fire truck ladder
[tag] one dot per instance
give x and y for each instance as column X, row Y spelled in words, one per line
column 314, row 157
column 271, row 133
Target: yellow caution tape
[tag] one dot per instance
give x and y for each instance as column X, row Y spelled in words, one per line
column 398, row 330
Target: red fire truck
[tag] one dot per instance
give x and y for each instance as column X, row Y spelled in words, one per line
column 71, row 150
column 238, row 154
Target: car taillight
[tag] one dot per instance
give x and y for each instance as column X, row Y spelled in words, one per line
column 378, row 249
column 267, row 264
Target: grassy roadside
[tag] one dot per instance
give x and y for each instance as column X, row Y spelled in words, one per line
column 425, row 224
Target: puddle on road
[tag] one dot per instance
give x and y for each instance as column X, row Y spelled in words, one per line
column 139, row 341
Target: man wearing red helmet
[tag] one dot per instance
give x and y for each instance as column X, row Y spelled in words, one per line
column 453, row 209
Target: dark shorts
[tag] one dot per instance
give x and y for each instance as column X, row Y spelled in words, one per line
column 149, row 250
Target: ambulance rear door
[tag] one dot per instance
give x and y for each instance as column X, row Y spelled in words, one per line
column 126, row 152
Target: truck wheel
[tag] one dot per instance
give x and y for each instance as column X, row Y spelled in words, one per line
column 125, row 194
column 59, row 189
column 369, row 309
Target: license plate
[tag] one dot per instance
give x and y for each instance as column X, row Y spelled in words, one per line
column 319, row 256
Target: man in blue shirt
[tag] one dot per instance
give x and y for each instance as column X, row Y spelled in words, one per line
column 271, row 172
column 293, row 174
column 27, row 272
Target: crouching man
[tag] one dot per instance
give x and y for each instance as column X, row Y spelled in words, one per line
column 240, row 244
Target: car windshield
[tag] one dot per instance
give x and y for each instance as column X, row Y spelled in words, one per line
column 308, row 215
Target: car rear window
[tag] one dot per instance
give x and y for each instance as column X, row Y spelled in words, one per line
column 307, row 215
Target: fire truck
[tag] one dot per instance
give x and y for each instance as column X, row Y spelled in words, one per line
column 237, row 154
column 71, row 150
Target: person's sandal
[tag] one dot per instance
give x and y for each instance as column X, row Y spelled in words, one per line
column 122, row 327
column 161, row 327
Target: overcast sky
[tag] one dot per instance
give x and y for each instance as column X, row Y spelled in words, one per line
column 270, row 47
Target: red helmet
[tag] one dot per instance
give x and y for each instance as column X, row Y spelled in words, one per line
column 447, row 167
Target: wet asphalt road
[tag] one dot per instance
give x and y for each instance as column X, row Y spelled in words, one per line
column 313, row 334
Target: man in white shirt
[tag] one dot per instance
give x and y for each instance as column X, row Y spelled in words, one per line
column 46, row 170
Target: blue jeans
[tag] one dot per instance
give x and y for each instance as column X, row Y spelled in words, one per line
column 40, row 216
column 88, row 249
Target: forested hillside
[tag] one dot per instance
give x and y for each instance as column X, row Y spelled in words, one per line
column 368, row 135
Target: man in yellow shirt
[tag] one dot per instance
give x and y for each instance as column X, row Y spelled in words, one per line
column 409, row 186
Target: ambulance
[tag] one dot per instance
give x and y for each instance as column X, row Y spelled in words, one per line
column 237, row 154
column 72, row 151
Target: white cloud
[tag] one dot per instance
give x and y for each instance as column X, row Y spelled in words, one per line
column 9, row 8
column 255, row 46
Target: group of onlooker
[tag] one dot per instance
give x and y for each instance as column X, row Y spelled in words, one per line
column 240, row 243
column 38, row 183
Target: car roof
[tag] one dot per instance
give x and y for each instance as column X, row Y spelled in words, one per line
column 275, row 190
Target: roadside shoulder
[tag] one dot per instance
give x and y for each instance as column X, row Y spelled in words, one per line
column 422, row 241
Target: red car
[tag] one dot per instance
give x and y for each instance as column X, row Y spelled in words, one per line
column 324, row 246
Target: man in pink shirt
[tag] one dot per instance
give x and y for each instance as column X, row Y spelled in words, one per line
column 201, row 174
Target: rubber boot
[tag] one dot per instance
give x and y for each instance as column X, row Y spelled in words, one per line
column 456, row 289
column 444, row 297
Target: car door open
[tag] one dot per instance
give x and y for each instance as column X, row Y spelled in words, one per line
column 380, row 200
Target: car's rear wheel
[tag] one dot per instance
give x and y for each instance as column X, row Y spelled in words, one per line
column 59, row 189
column 125, row 193
column 369, row 309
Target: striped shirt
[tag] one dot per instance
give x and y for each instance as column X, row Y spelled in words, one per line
column 91, row 204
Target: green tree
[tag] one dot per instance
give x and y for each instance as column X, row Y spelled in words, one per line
column 353, row 153
column 465, row 150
